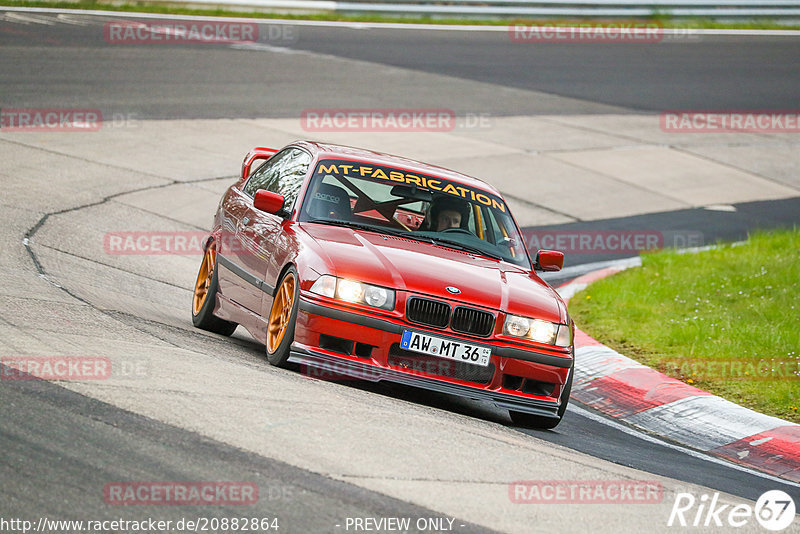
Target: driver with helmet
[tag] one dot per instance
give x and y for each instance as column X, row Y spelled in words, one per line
column 447, row 212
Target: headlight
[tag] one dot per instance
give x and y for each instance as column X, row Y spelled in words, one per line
column 538, row 330
column 352, row 291
column 325, row 286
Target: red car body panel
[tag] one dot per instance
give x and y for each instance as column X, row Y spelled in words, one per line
column 422, row 268
column 256, row 247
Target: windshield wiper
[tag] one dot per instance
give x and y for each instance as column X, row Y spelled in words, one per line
column 370, row 228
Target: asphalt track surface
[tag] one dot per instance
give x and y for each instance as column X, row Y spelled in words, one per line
column 55, row 439
column 60, row 448
column 67, row 62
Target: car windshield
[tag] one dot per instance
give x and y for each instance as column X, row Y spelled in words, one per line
column 427, row 208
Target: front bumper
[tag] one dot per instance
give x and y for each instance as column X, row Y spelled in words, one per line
column 511, row 370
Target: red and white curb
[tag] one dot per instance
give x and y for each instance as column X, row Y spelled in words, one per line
column 651, row 401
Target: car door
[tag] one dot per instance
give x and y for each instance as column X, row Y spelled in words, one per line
column 258, row 234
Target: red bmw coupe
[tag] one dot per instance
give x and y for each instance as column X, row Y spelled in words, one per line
column 384, row 268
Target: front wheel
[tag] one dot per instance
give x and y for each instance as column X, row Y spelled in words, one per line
column 205, row 296
column 282, row 319
column 537, row 421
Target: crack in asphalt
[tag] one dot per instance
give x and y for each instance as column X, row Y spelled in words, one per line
column 27, row 240
column 7, row 322
column 116, row 268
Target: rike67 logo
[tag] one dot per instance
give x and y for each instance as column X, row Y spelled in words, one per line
column 775, row 510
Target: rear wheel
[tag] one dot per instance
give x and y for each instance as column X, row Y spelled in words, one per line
column 282, row 319
column 205, row 296
column 529, row 420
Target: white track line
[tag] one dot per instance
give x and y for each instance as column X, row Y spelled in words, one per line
column 70, row 19
column 27, row 19
column 375, row 25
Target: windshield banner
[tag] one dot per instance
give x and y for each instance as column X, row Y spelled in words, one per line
column 379, row 173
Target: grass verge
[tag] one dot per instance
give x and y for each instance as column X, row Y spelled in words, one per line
column 163, row 7
column 726, row 320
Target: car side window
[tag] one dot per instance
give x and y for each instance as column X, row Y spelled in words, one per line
column 283, row 173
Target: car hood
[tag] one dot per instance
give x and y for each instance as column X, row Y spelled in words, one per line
column 417, row 267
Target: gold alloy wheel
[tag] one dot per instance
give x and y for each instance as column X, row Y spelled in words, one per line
column 204, row 278
column 281, row 312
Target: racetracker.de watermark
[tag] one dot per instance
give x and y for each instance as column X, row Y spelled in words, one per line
column 609, row 241
column 50, row 120
column 586, row 492
column 63, row 120
column 72, row 368
column 55, row 368
column 763, row 369
column 168, row 32
column 378, row 120
column 179, row 243
column 180, row 493
column 611, row 32
column 698, row 121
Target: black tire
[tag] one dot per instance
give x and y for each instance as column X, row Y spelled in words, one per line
column 280, row 356
column 205, row 318
column 529, row 420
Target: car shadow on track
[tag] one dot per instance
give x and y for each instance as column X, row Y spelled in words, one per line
column 254, row 355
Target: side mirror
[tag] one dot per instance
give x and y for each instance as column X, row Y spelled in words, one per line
column 268, row 201
column 258, row 153
column 549, row 260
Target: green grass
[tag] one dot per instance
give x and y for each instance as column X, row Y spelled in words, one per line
column 164, row 7
column 720, row 319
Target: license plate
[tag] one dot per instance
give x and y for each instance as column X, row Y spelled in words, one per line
column 445, row 348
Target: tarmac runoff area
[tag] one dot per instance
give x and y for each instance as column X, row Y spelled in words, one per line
column 65, row 192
